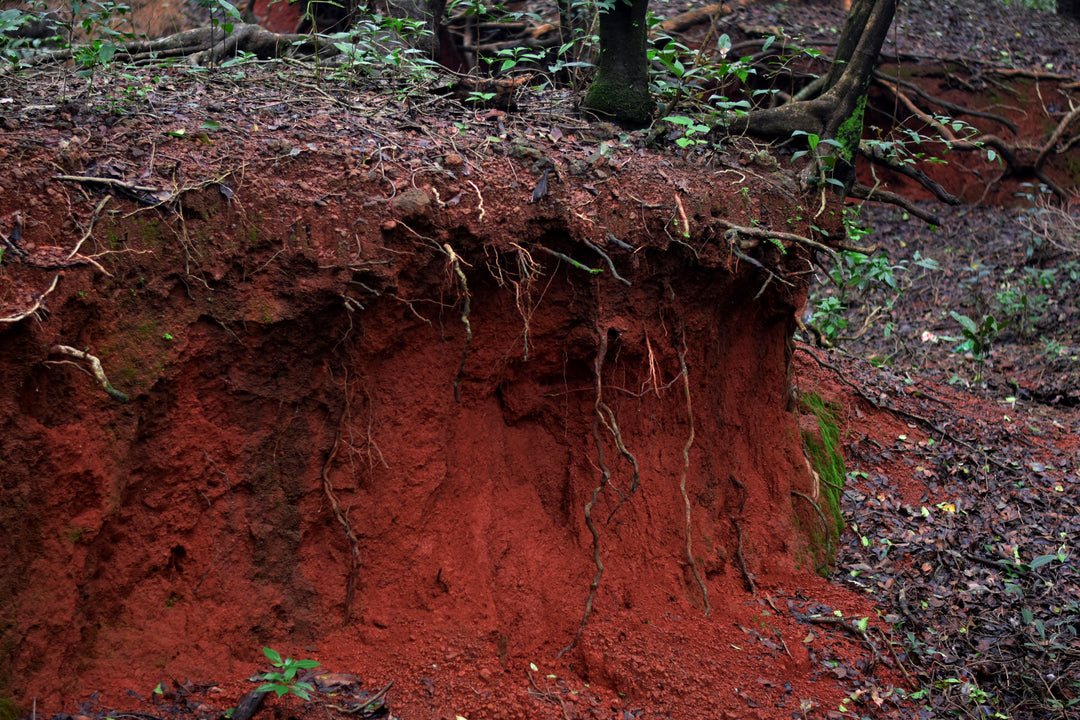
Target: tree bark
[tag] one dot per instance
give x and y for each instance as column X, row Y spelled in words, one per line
column 836, row 114
column 620, row 90
column 1069, row 8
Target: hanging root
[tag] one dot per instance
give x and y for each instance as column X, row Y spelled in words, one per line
column 95, row 366
column 343, row 519
column 824, row 526
column 456, row 262
column 737, row 521
column 682, row 483
column 605, row 479
column 607, row 416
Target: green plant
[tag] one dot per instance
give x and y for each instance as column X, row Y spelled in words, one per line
column 8, row 709
column 823, row 450
column 380, row 45
column 690, row 129
column 977, row 337
column 283, row 680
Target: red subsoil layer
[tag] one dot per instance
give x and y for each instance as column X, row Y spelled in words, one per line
column 174, row 536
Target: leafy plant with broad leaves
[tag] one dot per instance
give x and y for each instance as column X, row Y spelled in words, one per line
column 283, row 679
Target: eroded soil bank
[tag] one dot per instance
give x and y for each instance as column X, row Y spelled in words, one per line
column 375, row 376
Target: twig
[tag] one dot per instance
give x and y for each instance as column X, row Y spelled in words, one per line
column 851, row 628
column 136, row 192
column 95, row 366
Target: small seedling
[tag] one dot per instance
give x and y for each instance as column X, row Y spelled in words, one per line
column 284, row 680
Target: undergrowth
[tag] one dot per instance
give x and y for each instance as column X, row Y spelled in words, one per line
column 823, row 450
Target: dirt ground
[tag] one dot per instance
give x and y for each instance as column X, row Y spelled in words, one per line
column 372, row 382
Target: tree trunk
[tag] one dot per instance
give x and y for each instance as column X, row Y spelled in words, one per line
column 1069, row 8
column 620, row 90
column 836, row 114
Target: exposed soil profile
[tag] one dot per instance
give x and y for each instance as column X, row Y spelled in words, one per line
column 352, row 346
column 380, row 353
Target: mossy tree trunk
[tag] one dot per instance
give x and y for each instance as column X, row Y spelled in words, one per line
column 620, row 90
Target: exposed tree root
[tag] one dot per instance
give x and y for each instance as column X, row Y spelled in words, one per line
column 207, row 46
column 765, row 234
column 343, row 520
column 864, row 192
column 1010, row 153
column 824, row 525
column 605, row 479
column 571, row 261
column 527, row 272
column 610, row 264
column 682, row 482
column 876, row 155
column 455, row 262
column 736, row 520
column 95, row 366
column 39, row 302
column 956, row 110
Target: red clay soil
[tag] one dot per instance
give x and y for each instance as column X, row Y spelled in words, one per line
column 348, row 319
column 340, row 323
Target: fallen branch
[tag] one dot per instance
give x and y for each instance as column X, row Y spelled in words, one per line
column 851, row 628
column 95, row 366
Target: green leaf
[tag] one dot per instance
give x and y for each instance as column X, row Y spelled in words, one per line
column 679, row 120
column 1042, row 560
column 272, row 655
column 965, row 322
